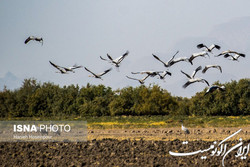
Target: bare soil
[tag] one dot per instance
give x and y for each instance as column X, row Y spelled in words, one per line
column 128, row 147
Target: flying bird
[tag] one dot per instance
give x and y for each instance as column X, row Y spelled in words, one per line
column 215, row 87
column 164, row 74
column 195, row 55
column 172, row 61
column 211, row 66
column 116, row 61
column 235, row 57
column 152, row 73
column 140, row 80
column 65, row 70
column 230, row 52
column 33, row 38
column 208, row 49
column 193, row 80
column 98, row 75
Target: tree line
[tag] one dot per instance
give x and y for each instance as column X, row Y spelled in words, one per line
column 49, row 100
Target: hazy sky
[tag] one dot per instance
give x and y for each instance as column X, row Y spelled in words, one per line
column 80, row 31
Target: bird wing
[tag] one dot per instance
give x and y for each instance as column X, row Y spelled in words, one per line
column 211, row 89
column 242, row 55
column 122, row 57
column 224, row 52
column 227, row 55
column 168, row 73
column 142, row 72
column 165, row 73
column 109, row 57
column 106, row 71
column 39, row 39
column 90, row 71
column 169, row 61
column 217, row 47
column 56, row 66
column 75, row 66
column 222, row 88
column 125, row 54
column 199, row 46
column 179, row 59
column 239, row 55
column 143, row 79
column 206, row 82
column 119, row 59
column 211, row 66
column 205, row 69
column 214, row 46
column 191, row 59
column 220, row 54
column 195, row 71
column 159, row 59
column 194, row 55
column 219, row 67
column 186, row 74
column 187, row 84
column 103, row 58
column 132, row 78
column 28, row 39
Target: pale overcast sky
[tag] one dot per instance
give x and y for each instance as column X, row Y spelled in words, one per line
column 80, row 31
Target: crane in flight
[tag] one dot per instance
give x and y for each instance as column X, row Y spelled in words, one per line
column 116, row 61
column 141, row 81
column 153, row 73
column 164, row 74
column 195, row 55
column 65, row 70
column 172, row 61
column 33, row 38
column 230, row 52
column 215, row 87
column 208, row 49
column 234, row 57
column 192, row 79
column 211, row 66
column 99, row 76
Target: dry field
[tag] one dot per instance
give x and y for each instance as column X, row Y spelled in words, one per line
column 113, row 152
column 129, row 147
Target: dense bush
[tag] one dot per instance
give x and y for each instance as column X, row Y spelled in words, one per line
column 34, row 99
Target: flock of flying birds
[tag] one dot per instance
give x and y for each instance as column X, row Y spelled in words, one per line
column 233, row 55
